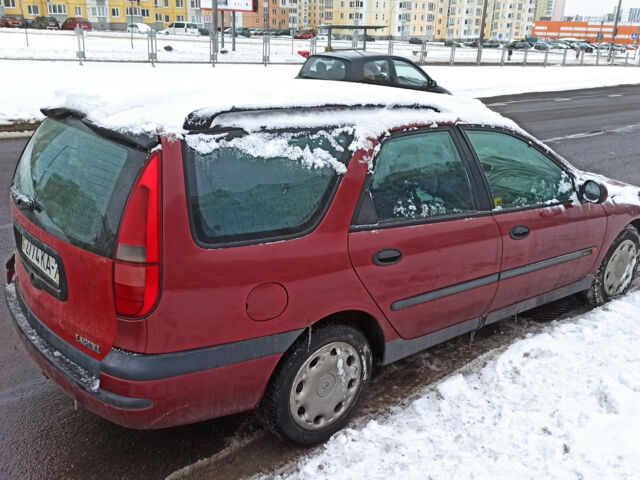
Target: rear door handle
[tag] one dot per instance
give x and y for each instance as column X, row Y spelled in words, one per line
column 519, row 232
column 388, row 256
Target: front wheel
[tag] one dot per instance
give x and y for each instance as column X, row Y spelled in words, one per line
column 318, row 384
column 618, row 269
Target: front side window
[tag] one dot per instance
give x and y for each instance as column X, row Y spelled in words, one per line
column 518, row 174
column 261, row 185
column 420, row 176
column 409, row 76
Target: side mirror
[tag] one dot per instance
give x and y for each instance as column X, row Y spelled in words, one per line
column 592, row 192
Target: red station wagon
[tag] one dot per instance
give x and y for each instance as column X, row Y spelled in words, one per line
column 163, row 280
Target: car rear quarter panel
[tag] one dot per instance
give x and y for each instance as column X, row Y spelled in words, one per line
column 619, row 216
column 204, row 291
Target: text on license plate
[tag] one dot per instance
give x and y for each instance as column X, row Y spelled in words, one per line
column 45, row 262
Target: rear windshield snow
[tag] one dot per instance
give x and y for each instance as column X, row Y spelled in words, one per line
column 78, row 182
column 244, row 187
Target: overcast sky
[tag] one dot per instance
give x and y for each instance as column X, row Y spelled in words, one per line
column 596, row 7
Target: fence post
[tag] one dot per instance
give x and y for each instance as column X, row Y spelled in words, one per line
column 423, row 53
column 390, row 48
column 452, row 56
column 626, row 58
column 526, row 55
column 598, row 57
column 504, row 51
column 266, row 48
column 479, row 57
column 546, row 57
column 213, row 47
column 152, row 47
column 564, row 57
column 582, row 57
column 80, row 53
column 313, row 46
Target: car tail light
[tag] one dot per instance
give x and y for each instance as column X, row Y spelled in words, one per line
column 137, row 266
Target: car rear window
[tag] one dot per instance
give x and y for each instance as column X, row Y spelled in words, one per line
column 78, row 182
column 261, row 185
column 324, row 68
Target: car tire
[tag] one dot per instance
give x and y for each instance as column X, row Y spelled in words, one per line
column 618, row 269
column 317, row 384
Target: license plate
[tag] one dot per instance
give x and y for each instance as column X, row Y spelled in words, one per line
column 43, row 261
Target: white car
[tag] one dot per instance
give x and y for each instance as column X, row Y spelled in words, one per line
column 181, row 28
column 138, row 28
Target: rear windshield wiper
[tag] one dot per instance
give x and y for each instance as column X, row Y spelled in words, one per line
column 25, row 202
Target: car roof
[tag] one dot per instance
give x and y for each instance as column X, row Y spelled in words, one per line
column 149, row 111
column 353, row 55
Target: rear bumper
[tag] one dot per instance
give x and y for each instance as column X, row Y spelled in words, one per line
column 153, row 391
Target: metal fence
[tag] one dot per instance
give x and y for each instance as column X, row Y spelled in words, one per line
column 153, row 48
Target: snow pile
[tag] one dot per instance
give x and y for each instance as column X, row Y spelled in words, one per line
column 563, row 404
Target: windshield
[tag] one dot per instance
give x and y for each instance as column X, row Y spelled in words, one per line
column 261, row 185
column 324, row 68
column 73, row 183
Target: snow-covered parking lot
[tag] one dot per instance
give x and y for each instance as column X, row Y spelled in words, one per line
column 562, row 404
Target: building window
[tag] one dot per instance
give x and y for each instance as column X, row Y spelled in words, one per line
column 167, row 19
column 115, row 12
column 145, row 13
column 166, row 5
column 33, row 10
column 99, row 11
column 51, row 8
column 10, row 3
column 78, row 11
column 158, row 17
column 179, row 3
column 179, row 18
column 195, row 4
column 132, row 11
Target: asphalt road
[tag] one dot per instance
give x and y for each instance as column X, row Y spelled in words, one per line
column 43, row 436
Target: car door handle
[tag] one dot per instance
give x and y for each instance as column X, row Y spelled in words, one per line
column 387, row 256
column 519, row 232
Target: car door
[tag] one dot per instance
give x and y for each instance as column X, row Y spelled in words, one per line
column 407, row 75
column 549, row 238
column 423, row 243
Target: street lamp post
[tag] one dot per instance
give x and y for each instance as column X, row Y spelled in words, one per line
column 615, row 29
column 481, row 39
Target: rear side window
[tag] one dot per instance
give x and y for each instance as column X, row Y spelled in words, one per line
column 420, row 176
column 261, row 185
column 79, row 182
column 324, row 68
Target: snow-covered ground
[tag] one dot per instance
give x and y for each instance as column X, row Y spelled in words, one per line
column 43, row 44
column 562, row 404
column 29, row 85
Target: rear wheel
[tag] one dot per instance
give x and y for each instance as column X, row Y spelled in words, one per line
column 318, row 384
column 618, row 268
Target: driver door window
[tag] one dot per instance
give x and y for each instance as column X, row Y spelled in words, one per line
column 409, row 76
column 518, row 174
column 376, row 71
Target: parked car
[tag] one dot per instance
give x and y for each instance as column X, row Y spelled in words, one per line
column 73, row 22
column 452, row 43
column 203, row 31
column 45, row 23
column 584, row 47
column 471, row 43
column 542, row 46
column 243, row 32
column 519, row 45
column 138, row 28
column 367, row 67
column 281, row 32
column 163, row 280
column 181, row 28
column 303, row 35
column 10, row 21
column 416, row 41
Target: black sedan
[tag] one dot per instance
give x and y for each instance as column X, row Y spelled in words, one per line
column 364, row 67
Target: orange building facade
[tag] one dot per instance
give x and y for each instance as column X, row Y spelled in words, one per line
column 545, row 30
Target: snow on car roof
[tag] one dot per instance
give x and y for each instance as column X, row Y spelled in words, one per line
column 153, row 109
